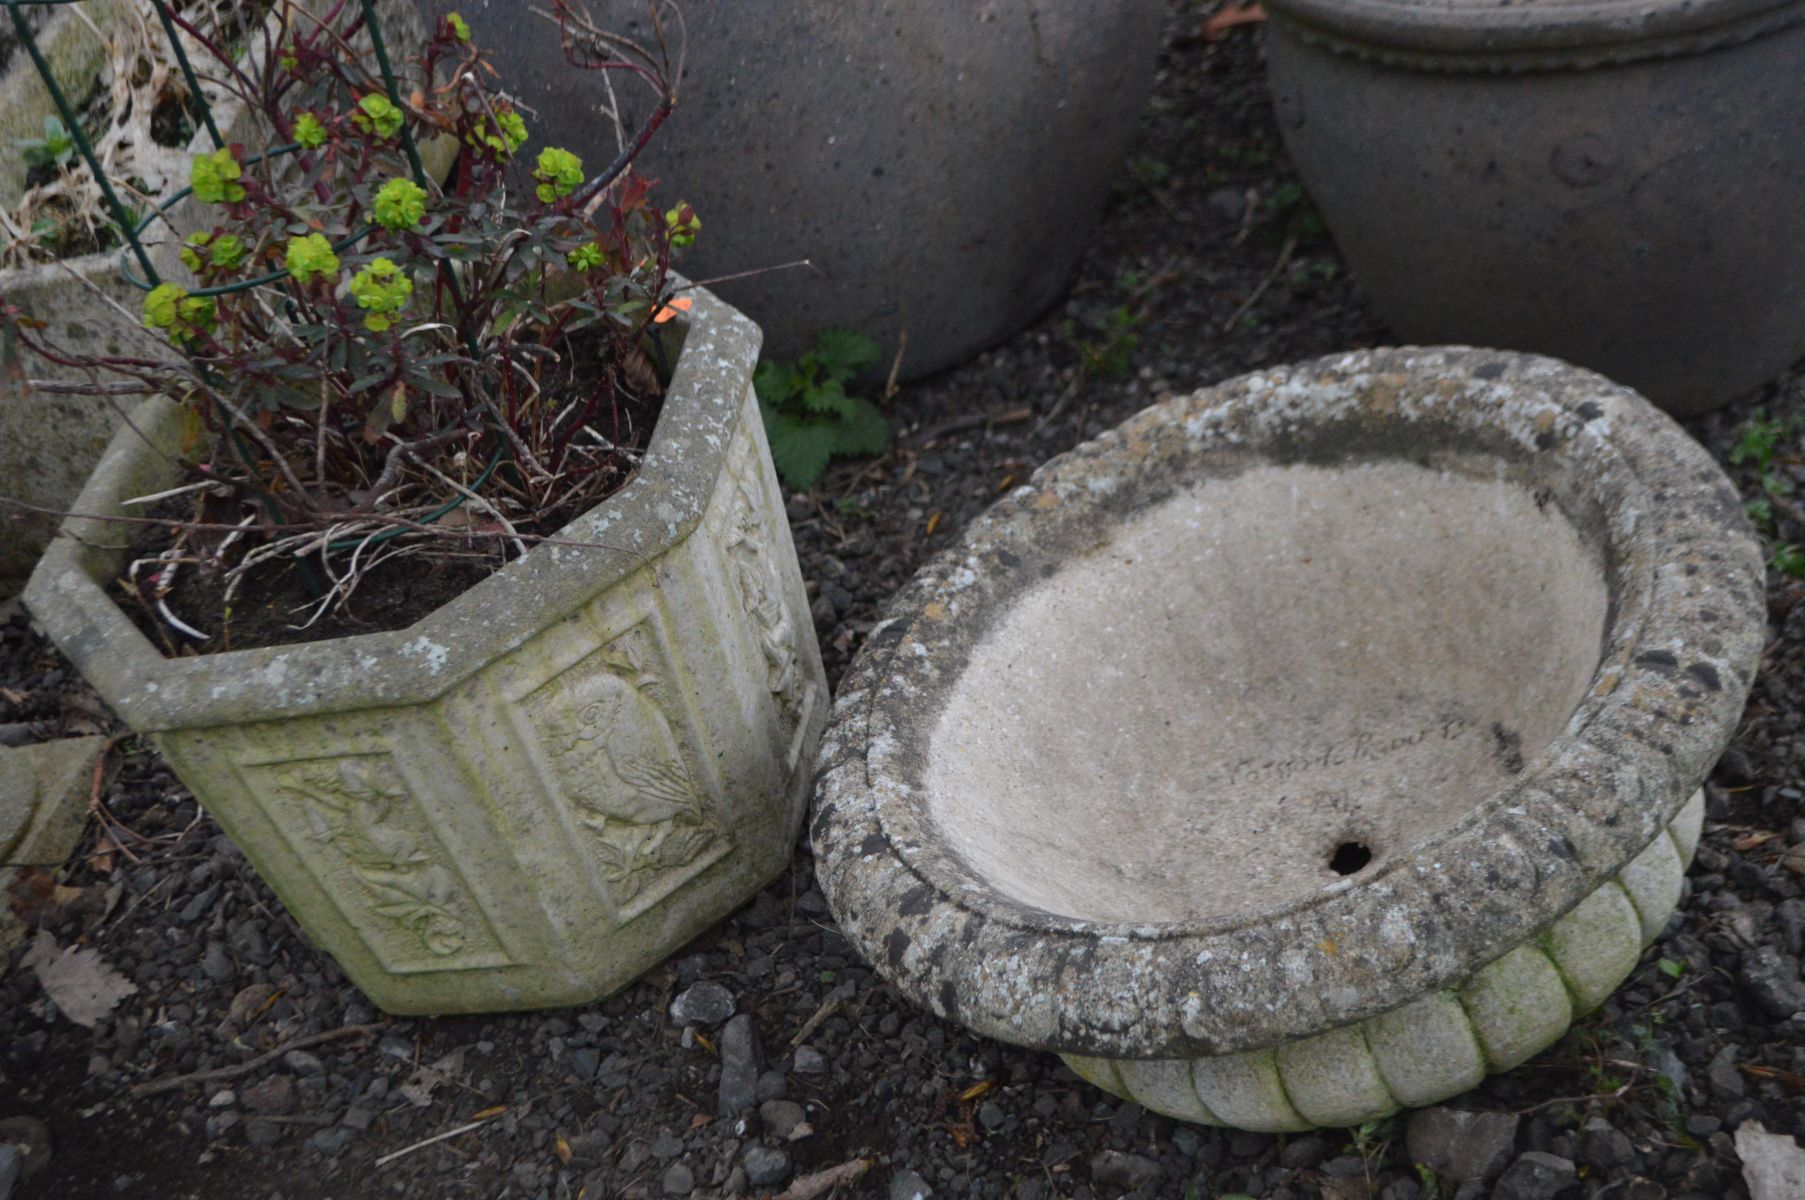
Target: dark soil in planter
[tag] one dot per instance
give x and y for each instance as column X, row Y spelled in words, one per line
column 618, row 1100
column 278, row 597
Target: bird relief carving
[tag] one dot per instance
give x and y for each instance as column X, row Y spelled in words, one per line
column 624, row 774
column 355, row 807
column 762, row 595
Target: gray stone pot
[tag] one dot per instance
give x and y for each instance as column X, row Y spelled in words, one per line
column 536, row 793
column 1618, row 184
column 942, row 162
column 1308, row 746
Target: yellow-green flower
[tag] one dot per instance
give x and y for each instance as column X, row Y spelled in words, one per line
column 377, row 114
column 309, row 258
column 586, row 257
column 224, row 252
column 400, row 204
column 214, row 177
column 509, row 135
column 681, row 224
column 459, row 29
column 227, row 251
column 169, row 307
column 559, row 173
column 382, row 291
column 309, row 132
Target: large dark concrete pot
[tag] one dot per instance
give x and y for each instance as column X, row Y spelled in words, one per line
column 942, row 162
column 1620, row 185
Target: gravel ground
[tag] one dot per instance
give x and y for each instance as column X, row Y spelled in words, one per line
column 785, row 1055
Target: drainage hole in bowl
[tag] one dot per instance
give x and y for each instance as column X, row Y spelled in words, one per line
column 1349, row 857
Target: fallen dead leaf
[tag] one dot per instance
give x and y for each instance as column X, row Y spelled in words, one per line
column 420, row 1085
column 78, row 981
column 562, row 1149
column 1228, row 16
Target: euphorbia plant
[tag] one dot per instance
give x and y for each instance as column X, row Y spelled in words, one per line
column 377, row 364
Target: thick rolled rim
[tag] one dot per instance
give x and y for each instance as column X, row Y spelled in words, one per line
column 1683, row 638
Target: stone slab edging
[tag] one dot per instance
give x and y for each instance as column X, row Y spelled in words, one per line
column 1686, row 582
column 655, row 511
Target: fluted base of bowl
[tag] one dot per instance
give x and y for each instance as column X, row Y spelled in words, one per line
column 1440, row 1045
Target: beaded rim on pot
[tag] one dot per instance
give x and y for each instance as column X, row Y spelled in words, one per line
column 1681, row 643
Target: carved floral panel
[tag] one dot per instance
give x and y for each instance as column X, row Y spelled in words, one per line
column 360, row 830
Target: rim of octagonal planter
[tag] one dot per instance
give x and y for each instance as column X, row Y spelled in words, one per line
column 1682, row 633
column 657, row 509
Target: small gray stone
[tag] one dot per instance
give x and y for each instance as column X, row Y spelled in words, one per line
column 809, row 1061
column 358, row 1117
column 705, row 1004
column 991, row 1115
column 739, row 1066
column 1791, row 916
column 772, row 1085
column 766, row 1166
column 1605, row 1148
column 1303, row 1153
column 262, row 1134
column 780, row 1117
column 12, row 1166
column 1725, row 1079
column 303, row 1063
column 216, row 964
column 1536, row 1176
column 1401, row 1189
column 1668, row 1066
column 331, row 1141
column 198, row 907
column 1113, row 1168
column 1771, row 980
column 666, row 1146
column 907, row 1185
column 396, row 1047
column 678, row 1180
column 1459, row 1145
column 584, row 1063
column 273, row 1097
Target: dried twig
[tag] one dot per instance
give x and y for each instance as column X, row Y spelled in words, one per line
column 1272, row 276
column 466, row 1127
column 827, row 1009
column 809, row 1187
column 170, row 1083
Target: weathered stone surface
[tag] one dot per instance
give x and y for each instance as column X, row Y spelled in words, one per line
column 582, row 761
column 43, row 808
column 1217, row 738
column 895, row 149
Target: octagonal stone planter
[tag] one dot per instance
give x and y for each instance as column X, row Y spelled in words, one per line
column 1305, row 747
column 537, row 792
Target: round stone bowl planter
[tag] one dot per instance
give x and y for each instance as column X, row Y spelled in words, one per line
column 540, row 790
column 1560, row 178
column 1305, row 747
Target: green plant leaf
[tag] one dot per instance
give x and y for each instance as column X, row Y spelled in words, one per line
column 862, row 429
column 826, row 397
column 775, row 382
column 1788, row 559
column 845, row 352
column 1673, row 968
column 799, row 450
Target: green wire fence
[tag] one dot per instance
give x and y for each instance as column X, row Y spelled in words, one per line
column 133, row 230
